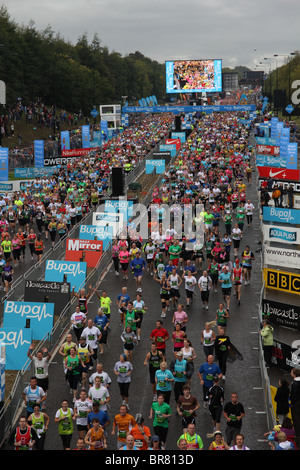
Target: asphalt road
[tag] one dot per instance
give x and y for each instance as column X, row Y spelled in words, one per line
column 243, row 377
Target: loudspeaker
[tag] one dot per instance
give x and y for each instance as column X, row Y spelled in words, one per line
column 117, row 181
column 279, row 99
column 177, row 123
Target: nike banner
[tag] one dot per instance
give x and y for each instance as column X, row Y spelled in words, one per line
column 276, row 173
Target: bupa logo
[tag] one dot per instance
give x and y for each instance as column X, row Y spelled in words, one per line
column 283, row 215
column 37, row 310
column 63, row 267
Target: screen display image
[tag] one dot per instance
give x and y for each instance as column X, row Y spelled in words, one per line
column 193, row 76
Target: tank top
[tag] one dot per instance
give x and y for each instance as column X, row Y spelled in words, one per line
column 154, row 360
column 208, row 341
column 97, row 436
column 38, row 423
column 187, row 354
column 66, row 425
column 82, row 304
column 218, row 447
column 25, row 438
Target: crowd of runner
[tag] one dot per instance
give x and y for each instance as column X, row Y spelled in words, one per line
column 213, row 169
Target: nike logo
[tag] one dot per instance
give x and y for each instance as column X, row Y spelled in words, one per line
column 271, row 174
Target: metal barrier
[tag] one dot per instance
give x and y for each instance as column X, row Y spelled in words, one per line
column 13, row 403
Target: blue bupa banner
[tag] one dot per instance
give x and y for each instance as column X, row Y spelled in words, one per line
column 168, row 148
column 187, row 109
column 268, row 160
column 65, row 140
column 32, row 173
column 97, row 232
column 179, row 135
column 39, row 153
column 85, row 136
column 75, row 272
column 3, row 164
column 16, row 342
column 35, row 315
column 123, row 207
column 157, row 166
column 279, row 214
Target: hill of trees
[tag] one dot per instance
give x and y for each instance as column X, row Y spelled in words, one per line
column 41, row 64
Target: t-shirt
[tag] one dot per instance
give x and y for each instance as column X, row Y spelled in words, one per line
column 124, row 424
column 208, row 372
column 233, row 410
column 159, row 410
column 187, row 404
column 226, row 280
column 162, row 384
column 139, row 440
column 158, row 334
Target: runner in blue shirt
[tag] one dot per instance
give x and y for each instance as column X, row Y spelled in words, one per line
column 225, row 279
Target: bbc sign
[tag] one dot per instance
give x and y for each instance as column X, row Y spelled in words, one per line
column 283, row 281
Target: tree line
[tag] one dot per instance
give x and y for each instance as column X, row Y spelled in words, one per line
column 42, row 65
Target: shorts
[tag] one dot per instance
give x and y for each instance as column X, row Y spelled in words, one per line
column 175, row 261
column 165, row 296
column 204, row 295
column 189, row 293
column 247, row 267
column 236, row 243
column 124, row 266
column 226, row 291
column 128, row 347
column 174, row 293
column 81, row 427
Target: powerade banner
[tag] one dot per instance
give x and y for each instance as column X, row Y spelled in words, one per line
column 282, row 314
column 96, row 232
column 35, row 315
column 279, row 214
column 16, row 342
column 39, row 153
column 65, row 140
column 292, row 155
column 3, row 164
column 272, row 233
column 106, row 219
column 188, row 109
column 157, row 166
column 85, row 136
column 75, row 272
column 266, row 160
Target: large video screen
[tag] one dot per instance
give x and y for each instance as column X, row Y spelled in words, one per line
column 193, row 76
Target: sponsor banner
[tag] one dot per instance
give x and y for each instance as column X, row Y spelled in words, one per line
column 275, row 173
column 176, row 142
column 265, row 141
column 179, row 135
column 116, row 221
column 282, row 281
column 3, row 164
column 266, row 160
column 157, row 166
column 292, row 155
column 279, row 214
column 39, row 153
column 296, row 202
column 76, row 152
column 96, row 232
column 286, row 184
column 6, row 187
column 89, row 251
column 32, row 173
column 75, row 272
column 273, row 233
column 85, row 133
column 187, row 109
column 65, row 140
column 268, row 150
column 168, row 148
column 119, row 206
column 43, row 291
column 38, row 316
column 282, row 257
column 16, row 342
column 282, row 314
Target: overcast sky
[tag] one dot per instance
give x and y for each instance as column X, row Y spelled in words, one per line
column 240, row 32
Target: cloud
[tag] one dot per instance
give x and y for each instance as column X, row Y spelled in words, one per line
column 165, row 29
